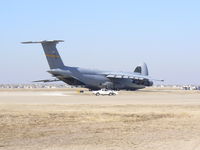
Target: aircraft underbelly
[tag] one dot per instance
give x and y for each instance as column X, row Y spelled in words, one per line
column 94, row 80
column 125, row 84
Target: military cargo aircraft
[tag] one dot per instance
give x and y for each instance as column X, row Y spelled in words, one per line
column 92, row 79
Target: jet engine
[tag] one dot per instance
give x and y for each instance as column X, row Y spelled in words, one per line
column 107, row 85
column 144, row 82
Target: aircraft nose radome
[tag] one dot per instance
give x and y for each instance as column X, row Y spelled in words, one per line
column 142, row 69
column 143, row 64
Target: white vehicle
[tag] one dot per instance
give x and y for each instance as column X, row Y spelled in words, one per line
column 104, row 92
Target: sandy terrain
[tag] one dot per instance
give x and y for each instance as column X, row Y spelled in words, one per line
column 62, row 119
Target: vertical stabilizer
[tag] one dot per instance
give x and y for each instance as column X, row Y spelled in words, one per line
column 53, row 57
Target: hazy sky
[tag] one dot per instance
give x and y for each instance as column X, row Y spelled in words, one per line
column 102, row 34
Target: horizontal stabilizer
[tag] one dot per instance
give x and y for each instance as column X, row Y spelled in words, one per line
column 51, row 80
column 51, row 52
column 33, row 42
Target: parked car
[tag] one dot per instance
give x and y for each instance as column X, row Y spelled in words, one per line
column 104, row 92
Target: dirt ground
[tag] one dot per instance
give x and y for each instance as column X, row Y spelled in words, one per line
column 63, row 119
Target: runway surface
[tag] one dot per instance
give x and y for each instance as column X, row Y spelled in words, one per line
column 60, row 119
column 72, row 96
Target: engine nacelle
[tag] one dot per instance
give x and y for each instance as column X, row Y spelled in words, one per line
column 107, row 85
column 144, row 82
column 148, row 83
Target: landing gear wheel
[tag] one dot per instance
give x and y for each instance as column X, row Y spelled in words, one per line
column 97, row 94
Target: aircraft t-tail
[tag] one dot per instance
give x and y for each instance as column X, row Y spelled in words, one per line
column 92, row 79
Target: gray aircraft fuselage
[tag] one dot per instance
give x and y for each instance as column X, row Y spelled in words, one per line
column 93, row 79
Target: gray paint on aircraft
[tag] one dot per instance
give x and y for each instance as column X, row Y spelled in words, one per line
column 93, row 79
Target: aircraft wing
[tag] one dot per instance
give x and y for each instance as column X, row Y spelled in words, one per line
column 130, row 76
column 48, row 80
column 120, row 76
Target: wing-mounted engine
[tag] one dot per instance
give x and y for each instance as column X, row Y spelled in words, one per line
column 107, row 85
column 145, row 82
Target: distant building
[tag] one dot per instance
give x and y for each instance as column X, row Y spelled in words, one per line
column 190, row 87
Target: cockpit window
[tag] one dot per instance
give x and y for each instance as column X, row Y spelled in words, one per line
column 138, row 69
